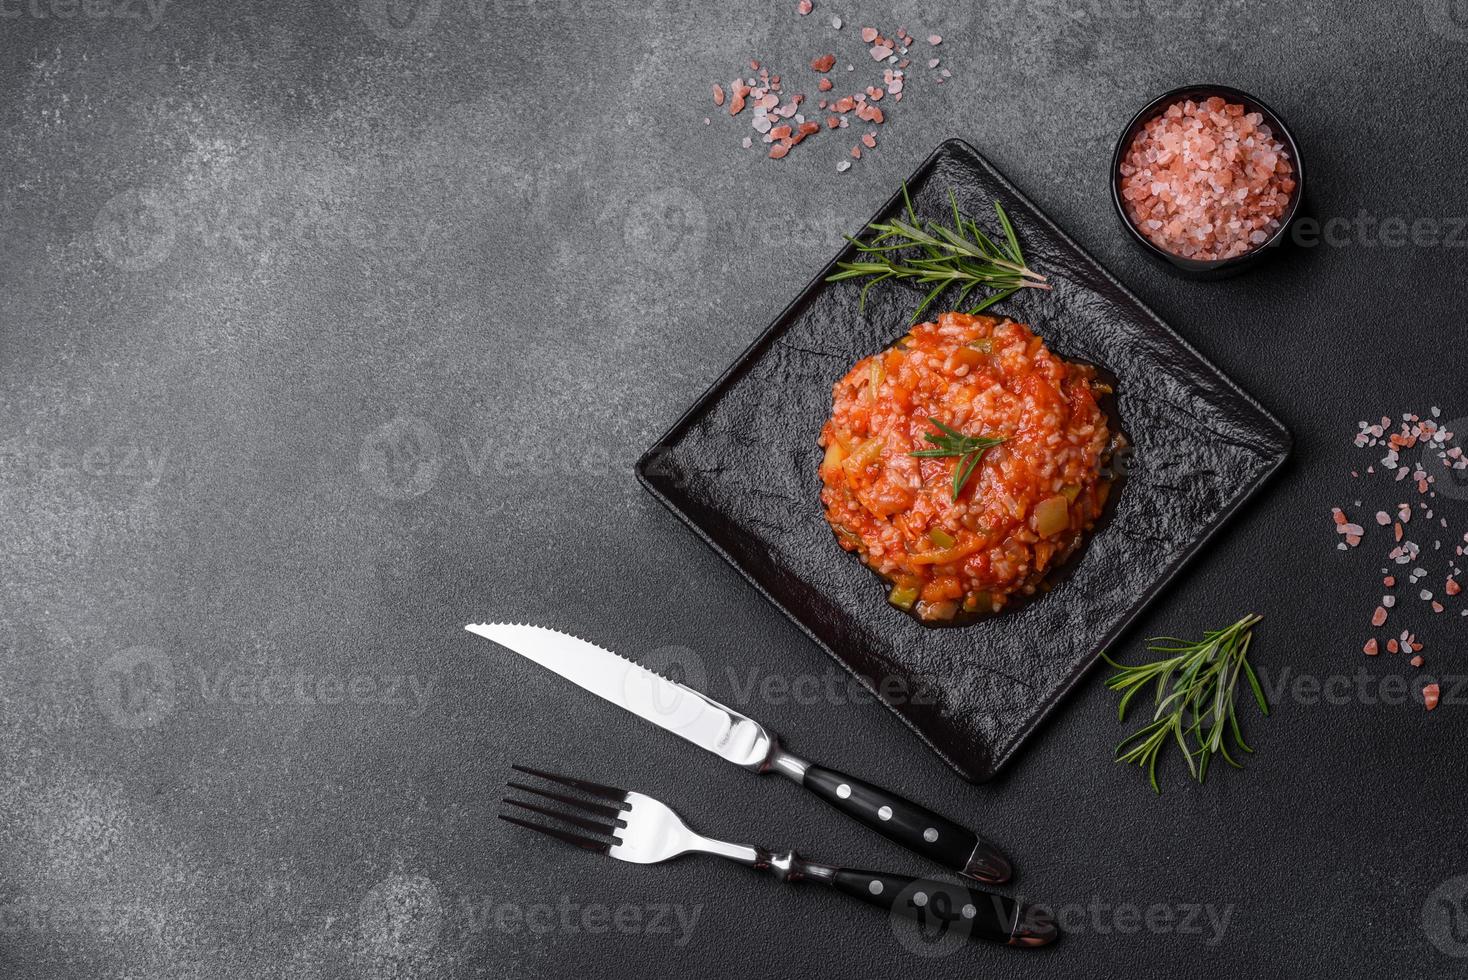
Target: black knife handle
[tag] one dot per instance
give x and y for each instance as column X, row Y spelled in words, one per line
column 954, row 909
column 914, row 827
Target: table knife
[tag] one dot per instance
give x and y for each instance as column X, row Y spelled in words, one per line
column 744, row 742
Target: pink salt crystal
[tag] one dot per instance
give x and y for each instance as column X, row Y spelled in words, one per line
column 881, row 52
column 718, row 94
column 868, row 34
column 804, row 7
column 1371, row 648
column 932, row 62
column 935, row 39
column 1212, row 177
column 1417, row 661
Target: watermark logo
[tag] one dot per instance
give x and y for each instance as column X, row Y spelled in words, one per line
column 929, row 922
column 1445, row 917
column 402, row 458
column 667, row 226
column 401, row 918
column 400, row 20
column 135, row 230
column 136, row 688
column 673, row 707
column 1448, row 479
column 1447, row 18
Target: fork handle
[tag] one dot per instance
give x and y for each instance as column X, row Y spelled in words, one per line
column 954, row 909
column 914, row 827
column 969, row 913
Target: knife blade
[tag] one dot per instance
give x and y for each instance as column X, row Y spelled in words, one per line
column 736, row 738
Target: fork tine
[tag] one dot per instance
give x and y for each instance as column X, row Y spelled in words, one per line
column 567, row 836
column 610, row 812
column 592, row 825
column 596, row 789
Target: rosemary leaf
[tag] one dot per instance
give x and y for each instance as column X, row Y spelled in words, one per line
column 969, row 450
column 938, row 256
column 1195, row 700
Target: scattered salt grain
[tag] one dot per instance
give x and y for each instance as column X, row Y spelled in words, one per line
column 1430, row 694
column 843, row 166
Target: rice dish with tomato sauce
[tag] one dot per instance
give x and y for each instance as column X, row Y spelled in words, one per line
column 1028, row 501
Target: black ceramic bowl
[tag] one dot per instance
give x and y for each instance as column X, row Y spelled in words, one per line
column 1220, row 268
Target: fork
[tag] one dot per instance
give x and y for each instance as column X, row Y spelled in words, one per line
column 636, row 828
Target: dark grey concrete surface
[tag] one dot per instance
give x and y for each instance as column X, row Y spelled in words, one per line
column 326, row 328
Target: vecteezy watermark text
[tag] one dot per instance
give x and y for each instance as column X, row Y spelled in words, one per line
column 140, row 686
column 303, row 688
column 145, row 13
column 566, row 916
column 131, row 462
column 1363, row 686
column 93, row 918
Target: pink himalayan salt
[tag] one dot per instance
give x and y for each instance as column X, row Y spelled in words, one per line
column 1206, row 180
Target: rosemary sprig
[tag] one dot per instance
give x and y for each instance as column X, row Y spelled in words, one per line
column 940, row 256
column 1194, row 700
column 969, row 450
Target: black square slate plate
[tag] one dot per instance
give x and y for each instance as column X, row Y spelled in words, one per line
column 740, row 468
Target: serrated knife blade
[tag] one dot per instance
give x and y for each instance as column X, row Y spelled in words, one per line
column 741, row 740
column 648, row 695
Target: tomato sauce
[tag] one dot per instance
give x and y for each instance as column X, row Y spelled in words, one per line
column 1027, row 504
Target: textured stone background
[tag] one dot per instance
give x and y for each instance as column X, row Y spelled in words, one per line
column 326, row 328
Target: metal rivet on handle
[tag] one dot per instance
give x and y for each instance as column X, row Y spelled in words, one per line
column 969, row 911
column 920, row 899
column 885, row 813
column 843, row 791
column 875, row 888
column 930, row 835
